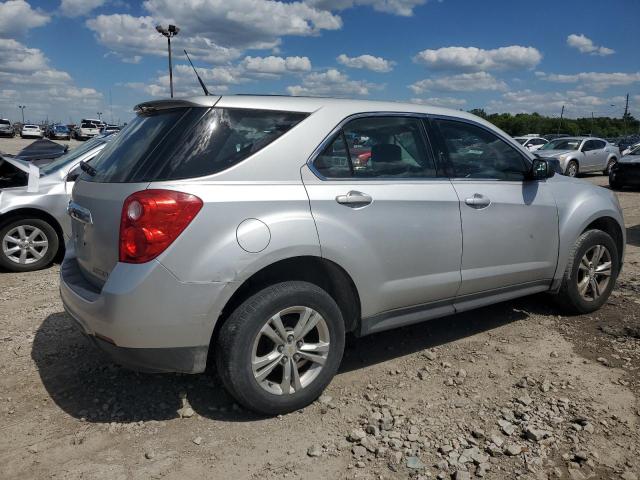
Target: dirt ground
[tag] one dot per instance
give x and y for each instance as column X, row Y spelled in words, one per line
column 511, row 391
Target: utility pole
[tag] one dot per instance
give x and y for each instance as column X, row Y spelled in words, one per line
column 22, row 107
column 99, row 115
column 561, row 115
column 626, row 114
column 592, row 122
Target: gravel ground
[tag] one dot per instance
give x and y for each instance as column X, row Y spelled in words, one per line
column 510, row 391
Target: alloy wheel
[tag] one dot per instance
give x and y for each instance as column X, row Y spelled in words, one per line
column 290, row 350
column 25, row 244
column 573, row 169
column 594, row 272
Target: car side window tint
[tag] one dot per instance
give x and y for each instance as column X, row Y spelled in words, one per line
column 474, row 152
column 333, row 162
column 388, row 147
column 598, row 144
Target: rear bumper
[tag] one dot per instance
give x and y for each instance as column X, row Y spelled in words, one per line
column 143, row 317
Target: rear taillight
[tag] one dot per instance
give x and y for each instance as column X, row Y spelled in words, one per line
column 151, row 220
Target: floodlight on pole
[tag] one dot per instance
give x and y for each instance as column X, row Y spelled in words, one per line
column 22, row 107
column 170, row 31
column 99, row 115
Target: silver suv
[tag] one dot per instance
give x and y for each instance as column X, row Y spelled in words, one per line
column 258, row 231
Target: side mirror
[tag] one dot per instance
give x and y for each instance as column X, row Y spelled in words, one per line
column 541, row 169
column 73, row 175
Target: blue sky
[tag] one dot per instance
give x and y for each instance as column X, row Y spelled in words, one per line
column 67, row 59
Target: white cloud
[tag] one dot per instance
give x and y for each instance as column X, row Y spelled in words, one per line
column 396, row 7
column 598, row 81
column 472, row 59
column 369, row 62
column 576, row 102
column 276, row 65
column 586, row 45
column 464, row 82
column 331, row 82
column 449, row 102
column 27, row 78
column 79, row 8
column 218, row 31
column 17, row 17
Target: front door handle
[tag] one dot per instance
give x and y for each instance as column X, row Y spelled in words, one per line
column 354, row 199
column 478, row 201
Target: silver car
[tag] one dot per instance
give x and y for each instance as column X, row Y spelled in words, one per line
column 581, row 154
column 34, row 224
column 237, row 229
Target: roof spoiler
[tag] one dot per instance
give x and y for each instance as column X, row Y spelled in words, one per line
column 167, row 104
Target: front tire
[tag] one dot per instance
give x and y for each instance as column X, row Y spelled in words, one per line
column 27, row 244
column 572, row 169
column 591, row 273
column 281, row 347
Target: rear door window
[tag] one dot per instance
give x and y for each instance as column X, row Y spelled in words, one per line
column 188, row 142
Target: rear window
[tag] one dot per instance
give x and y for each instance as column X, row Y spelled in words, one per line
column 5, row 122
column 88, row 125
column 188, row 143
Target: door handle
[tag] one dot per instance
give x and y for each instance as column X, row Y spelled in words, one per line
column 354, row 199
column 478, row 201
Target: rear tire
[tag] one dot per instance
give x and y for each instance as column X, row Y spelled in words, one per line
column 572, row 169
column 610, row 165
column 17, row 254
column 615, row 184
column 591, row 273
column 252, row 340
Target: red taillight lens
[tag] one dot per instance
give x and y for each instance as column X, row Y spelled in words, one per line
column 151, row 220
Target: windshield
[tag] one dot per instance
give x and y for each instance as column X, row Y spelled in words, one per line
column 5, row 122
column 71, row 156
column 563, row 144
column 88, row 125
column 60, row 128
column 521, row 140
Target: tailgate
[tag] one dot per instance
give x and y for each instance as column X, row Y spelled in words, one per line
column 96, row 209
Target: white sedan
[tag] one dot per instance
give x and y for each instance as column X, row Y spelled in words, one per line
column 531, row 143
column 31, row 131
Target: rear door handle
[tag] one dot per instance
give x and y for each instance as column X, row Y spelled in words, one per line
column 354, row 199
column 478, row 201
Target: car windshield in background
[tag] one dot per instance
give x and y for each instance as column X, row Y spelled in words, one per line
column 5, row 122
column 60, row 128
column 521, row 140
column 88, row 125
column 563, row 144
column 188, row 143
column 71, row 156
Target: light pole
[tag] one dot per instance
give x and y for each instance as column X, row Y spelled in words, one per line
column 22, row 107
column 170, row 31
column 99, row 115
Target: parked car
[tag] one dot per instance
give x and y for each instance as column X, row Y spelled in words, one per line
column 59, row 132
column 110, row 129
column 228, row 228
column 626, row 173
column 86, row 130
column 34, row 224
column 581, row 154
column 31, row 131
column 6, row 129
column 531, row 143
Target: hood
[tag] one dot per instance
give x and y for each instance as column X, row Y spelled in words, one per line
column 42, row 150
column 630, row 159
column 553, row 153
column 13, row 171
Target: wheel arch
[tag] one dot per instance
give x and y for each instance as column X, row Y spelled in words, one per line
column 324, row 273
column 12, row 215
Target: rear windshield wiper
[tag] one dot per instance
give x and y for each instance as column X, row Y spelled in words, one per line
column 88, row 169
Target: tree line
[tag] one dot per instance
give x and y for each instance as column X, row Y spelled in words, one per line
column 524, row 123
